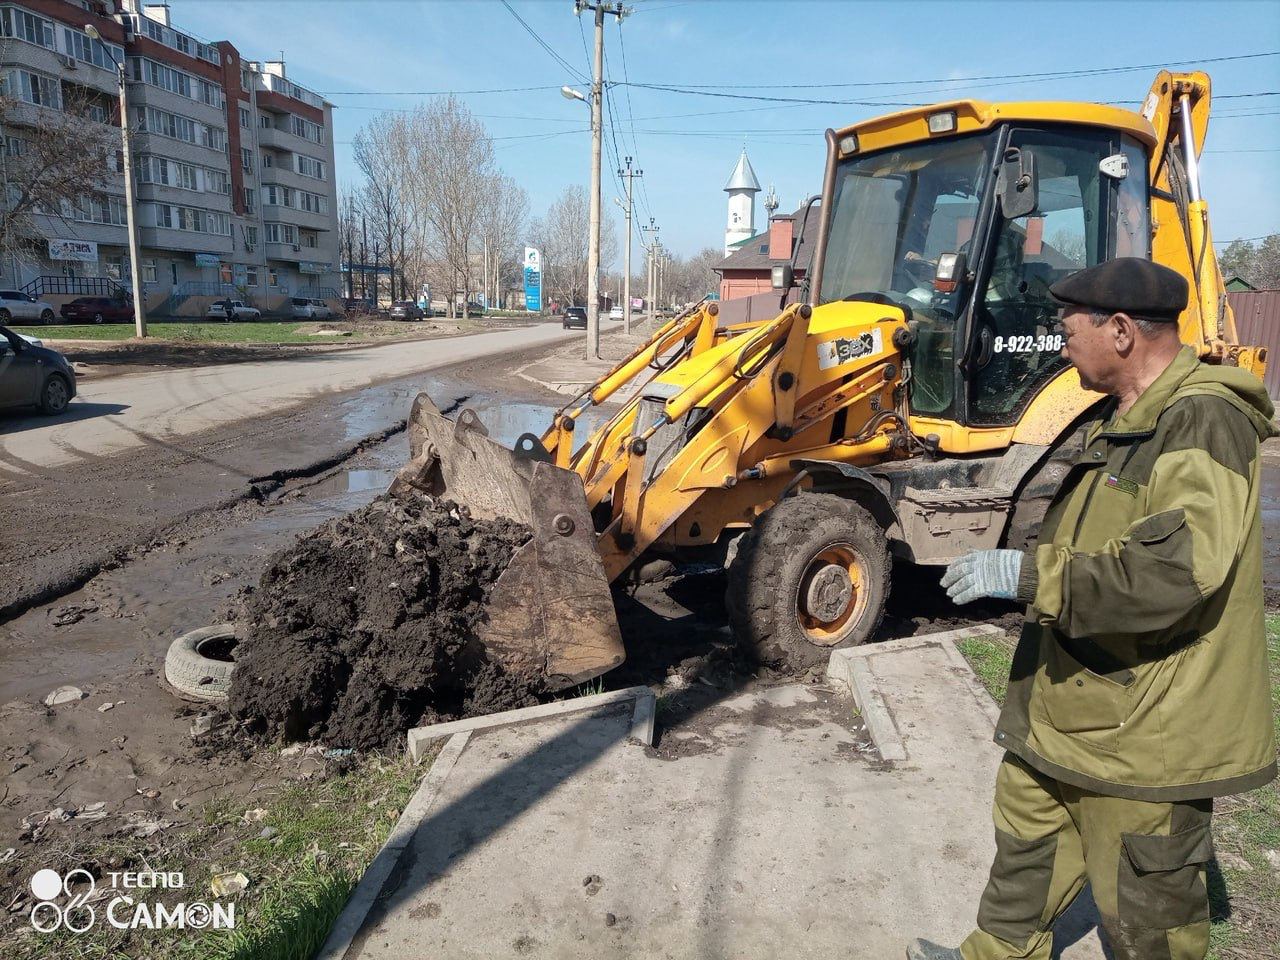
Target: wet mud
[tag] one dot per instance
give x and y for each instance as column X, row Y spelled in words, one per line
column 370, row 625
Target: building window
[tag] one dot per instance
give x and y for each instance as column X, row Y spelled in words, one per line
column 96, row 52
column 26, row 26
column 264, row 121
column 312, row 202
column 305, row 128
column 310, row 167
column 281, row 233
column 34, row 88
column 248, row 199
column 273, row 278
column 224, row 272
column 246, row 160
column 309, row 240
column 267, row 160
column 149, row 273
column 250, row 276
column 244, row 117
column 273, row 196
column 250, row 237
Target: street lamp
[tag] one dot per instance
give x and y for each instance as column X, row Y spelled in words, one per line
column 571, row 94
column 130, row 202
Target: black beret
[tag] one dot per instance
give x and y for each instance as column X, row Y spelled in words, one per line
column 1140, row 288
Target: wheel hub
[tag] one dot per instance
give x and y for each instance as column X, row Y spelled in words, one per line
column 829, row 593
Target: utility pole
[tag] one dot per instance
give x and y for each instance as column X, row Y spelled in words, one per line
column 599, row 8
column 130, row 201
column 652, row 250
column 626, row 270
column 364, row 257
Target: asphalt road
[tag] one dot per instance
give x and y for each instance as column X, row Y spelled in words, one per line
column 115, row 414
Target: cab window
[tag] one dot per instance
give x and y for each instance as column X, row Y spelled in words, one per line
column 1082, row 217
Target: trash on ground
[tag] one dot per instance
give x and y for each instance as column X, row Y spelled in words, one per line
column 64, row 695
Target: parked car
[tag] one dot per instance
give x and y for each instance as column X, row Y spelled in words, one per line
column 33, row 376
column 16, row 305
column 304, row 308
column 473, row 310
column 98, row 310
column 405, row 310
column 615, row 313
column 574, row 317
column 229, row 310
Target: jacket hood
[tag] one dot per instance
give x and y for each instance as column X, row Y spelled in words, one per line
column 1239, row 387
column 1188, row 376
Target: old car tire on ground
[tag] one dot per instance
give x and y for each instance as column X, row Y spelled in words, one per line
column 192, row 673
column 810, row 576
column 56, row 395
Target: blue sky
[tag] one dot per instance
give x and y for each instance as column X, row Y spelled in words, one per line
column 361, row 53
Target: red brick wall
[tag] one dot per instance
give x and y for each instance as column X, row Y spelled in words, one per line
column 230, row 80
column 278, row 101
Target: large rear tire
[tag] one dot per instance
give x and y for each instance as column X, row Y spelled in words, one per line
column 810, row 576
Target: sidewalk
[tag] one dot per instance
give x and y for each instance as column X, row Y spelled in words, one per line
column 567, row 370
column 764, row 824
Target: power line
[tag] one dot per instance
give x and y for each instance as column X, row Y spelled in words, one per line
column 1047, row 75
column 1223, row 243
column 542, row 43
column 428, row 93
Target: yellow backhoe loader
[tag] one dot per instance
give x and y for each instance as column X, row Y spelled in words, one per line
column 912, row 403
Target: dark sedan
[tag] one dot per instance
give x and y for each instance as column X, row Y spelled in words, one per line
column 575, row 317
column 32, row 376
column 406, row 310
column 97, row 310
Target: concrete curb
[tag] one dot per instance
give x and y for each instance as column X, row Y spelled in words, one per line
column 369, row 889
column 641, row 722
column 851, row 669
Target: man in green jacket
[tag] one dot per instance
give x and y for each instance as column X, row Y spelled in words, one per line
column 1139, row 689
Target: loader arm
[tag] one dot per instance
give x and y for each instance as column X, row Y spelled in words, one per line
column 1178, row 107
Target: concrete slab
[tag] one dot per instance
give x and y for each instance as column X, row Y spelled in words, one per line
column 766, row 825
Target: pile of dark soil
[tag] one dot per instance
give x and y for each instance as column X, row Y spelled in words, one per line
column 368, row 625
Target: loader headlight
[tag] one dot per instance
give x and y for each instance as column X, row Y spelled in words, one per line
column 942, row 122
column 848, row 144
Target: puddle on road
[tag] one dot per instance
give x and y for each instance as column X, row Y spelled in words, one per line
column 143, row 605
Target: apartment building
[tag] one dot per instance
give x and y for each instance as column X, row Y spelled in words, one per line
column 233, row 162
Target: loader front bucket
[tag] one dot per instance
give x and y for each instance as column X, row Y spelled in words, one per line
column 550, row 612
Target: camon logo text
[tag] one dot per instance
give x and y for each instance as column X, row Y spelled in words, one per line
column 57, row 907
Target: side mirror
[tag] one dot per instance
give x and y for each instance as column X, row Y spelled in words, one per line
column 782, row 277
column 1016, row 184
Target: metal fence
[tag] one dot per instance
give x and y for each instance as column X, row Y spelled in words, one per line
column 1258, row 323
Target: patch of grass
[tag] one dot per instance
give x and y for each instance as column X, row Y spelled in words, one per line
column 192, row 331
column 321, row 835
column 1245, row 898
column 990, row 657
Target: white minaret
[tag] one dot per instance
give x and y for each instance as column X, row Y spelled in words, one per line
column 742, row 189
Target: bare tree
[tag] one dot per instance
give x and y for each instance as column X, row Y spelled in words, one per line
column 382, row 151
column 451, row 174
column 59, row 165
column 502, row 225
column 563, row 235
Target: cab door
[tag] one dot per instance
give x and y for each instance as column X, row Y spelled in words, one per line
column 1084, row 215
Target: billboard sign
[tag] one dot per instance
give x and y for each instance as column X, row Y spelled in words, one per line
column 83, row 251
column 532, row 279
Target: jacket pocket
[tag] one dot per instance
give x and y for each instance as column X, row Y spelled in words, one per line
column 1161, row 883
column 1077, row 700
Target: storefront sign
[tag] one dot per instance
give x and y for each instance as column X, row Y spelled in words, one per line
column 318, row 268
column 207, row 260
column 84, row 251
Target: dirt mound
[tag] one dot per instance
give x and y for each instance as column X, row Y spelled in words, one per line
column 367, row 626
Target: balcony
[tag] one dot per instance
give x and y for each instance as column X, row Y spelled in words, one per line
column 186, row 241
column 277, row 139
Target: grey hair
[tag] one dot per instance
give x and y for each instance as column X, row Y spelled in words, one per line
column 1148, row 328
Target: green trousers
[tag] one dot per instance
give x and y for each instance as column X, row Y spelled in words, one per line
column 1144, row 861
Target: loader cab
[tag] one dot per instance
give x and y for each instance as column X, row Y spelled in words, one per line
column 965, row 234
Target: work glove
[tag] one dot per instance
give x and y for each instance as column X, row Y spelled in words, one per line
column 984, row 573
